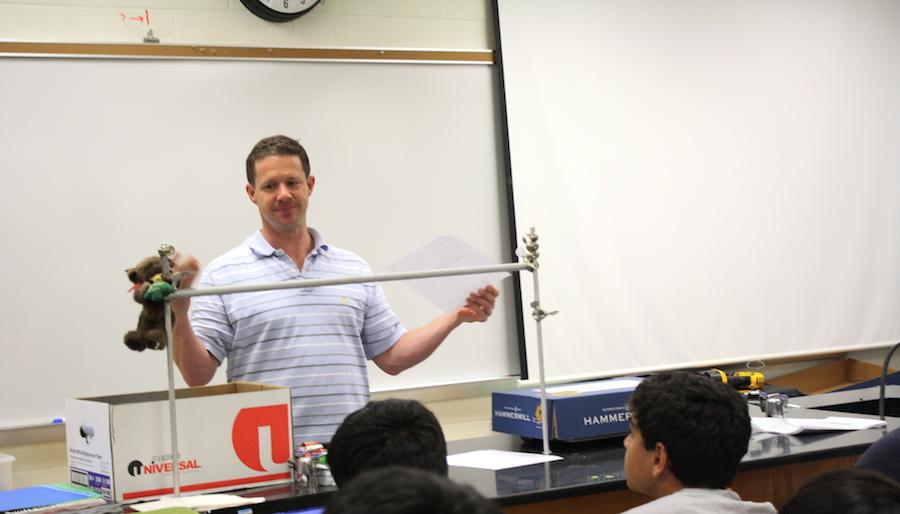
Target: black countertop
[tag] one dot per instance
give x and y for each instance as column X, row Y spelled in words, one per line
column 597, row 466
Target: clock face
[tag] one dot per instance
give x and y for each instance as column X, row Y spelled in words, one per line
column 279, row 10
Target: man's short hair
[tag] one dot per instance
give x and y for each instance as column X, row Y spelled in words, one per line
column 385, row 433
column 704, row 425
column 404, row 490
column 275, row 145
column 846, row 491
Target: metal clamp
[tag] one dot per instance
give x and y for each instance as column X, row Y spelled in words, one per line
column 538, row 313
column 166, row 251
column 531, row 249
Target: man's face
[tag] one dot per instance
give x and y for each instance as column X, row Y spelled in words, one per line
column 281, row 191
column 638, row 461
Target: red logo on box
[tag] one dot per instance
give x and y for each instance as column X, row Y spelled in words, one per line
column 245, row 434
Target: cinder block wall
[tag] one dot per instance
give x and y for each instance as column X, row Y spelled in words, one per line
column 436, row 24
column 445, row 24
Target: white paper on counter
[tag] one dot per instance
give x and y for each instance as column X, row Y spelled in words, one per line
column 198, row 502
column 498, row 459
column 790, row 426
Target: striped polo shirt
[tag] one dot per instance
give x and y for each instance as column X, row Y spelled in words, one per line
column 314, row 340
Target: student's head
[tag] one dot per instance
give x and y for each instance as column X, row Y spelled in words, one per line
column 386, row 433
column 685, row 427
column 403, row 490
column 883, row 456
column 275, row 145
column 846, row 491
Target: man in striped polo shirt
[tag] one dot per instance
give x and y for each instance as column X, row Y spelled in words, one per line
column 315, row 340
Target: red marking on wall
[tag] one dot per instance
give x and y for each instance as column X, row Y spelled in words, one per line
column 142, row 19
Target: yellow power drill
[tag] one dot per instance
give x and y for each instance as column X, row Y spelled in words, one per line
column 742, row 380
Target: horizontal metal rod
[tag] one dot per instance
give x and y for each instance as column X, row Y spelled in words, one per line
column 383, row 277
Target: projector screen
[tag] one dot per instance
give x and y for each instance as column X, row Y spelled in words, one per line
column 712, row 181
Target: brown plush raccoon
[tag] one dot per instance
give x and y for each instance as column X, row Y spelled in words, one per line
column 151, row 330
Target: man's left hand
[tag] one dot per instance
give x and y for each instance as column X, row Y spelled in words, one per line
column 479, row 305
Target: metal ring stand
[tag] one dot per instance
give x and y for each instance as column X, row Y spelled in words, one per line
column 538, row 314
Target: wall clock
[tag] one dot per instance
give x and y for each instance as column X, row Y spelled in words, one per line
column 279, row 10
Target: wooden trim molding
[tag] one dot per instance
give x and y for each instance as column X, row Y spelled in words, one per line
column 150, row 50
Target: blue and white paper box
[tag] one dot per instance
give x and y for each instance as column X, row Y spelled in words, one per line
column 579, row 411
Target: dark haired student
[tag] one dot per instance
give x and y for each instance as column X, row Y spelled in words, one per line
column 403, row 490
column 688, row 434
column 391, row 432
column 846, row 491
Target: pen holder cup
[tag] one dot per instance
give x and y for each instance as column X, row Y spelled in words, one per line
column 6, row 462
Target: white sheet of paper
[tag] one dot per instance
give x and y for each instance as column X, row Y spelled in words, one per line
column 198, row 502
column 600, row 385
column 498, row 459
column 792, row 426
column 448, row 293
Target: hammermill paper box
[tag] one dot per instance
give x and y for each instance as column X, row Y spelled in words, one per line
column 577, row 412
column 230, row 436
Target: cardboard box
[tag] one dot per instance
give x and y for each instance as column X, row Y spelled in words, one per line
column 577, row 412
column 229, row 437
column 831, row 376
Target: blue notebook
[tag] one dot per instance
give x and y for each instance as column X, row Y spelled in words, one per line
column 45, row 496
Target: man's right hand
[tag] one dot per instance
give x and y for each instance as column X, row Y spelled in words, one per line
column 186, row 264
column 189, row 268
column 196, row 364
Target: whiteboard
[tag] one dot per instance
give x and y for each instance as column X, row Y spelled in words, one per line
column 714, row 180
column 104, row 159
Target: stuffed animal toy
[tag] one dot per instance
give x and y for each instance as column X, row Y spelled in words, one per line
column 149, row 290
